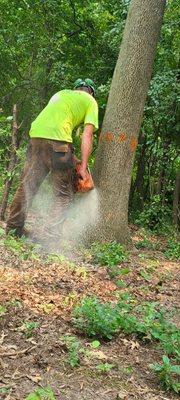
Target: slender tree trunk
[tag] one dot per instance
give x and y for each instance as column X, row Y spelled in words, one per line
column 176, row 198
column 118, row 140
column 137, row 186
column 11, row 166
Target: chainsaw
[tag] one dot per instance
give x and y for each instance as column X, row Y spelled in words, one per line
column 83, row 185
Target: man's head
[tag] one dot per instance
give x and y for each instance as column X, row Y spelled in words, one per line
column 87, row 85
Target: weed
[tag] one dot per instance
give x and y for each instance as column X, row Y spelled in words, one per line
column 95, row 318
column 109, row 254
column 2, row 310
column 145, row 275
column 155, row 215
column 145, row 244
column 19, row 248
column 5, row 389
column 2, row 232
column 146, row 321
column 95, row 344
column 167, row 374
column 41, row 394
column 73, row 346
column 127, row 370
column 104, row 368
column 29, row 327
column 56, row 258
column 15, row 303
column 120, row 284
column 173, row 250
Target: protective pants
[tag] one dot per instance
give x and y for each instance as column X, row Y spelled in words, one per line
column 38, row 164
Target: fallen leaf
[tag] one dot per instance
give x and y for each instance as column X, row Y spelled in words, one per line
column 35, row 378
column 121, row 395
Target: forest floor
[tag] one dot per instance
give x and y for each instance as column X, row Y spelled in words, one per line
column 37, row 294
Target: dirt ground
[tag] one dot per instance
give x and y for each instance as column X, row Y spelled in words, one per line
column 43, row 289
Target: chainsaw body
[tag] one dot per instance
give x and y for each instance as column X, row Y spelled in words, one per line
column 83, row 185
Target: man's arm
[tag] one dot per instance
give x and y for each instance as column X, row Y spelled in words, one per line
column 86, row 148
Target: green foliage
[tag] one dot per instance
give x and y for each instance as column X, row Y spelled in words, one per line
column 109, row 254
column 146, row 321
column 5, row 389
column 173, row 250
column 95, row 318
column 104, row 368
column 29, row 327
column 95, row 344
column 155, row 216
column 145, row 244
column 20, row 248
column 73, row 346
column 2, row 310
column 41, row 394
column 167, row 374
column 145, row 275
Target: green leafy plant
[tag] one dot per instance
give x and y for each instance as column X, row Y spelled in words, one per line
column 109, row 254
column 104, row 368
column 155, row 215
column 95, row 344
column 2, row 310
column 5, row 389
column 120, row 283
column 29, row 327
column 145, row 244
column 167, row 374
column 41, row 394
column 74, row 348
column 147, row 321
column 145, row 275
column 95, row 318
column 20, row 248
column 173, row 250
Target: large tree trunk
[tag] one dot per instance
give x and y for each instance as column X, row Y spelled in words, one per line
column 119, row 136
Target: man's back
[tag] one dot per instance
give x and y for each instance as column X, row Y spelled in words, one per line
column 65, row 110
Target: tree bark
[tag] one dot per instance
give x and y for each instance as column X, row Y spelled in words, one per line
column 119, row 136
column 11, row 166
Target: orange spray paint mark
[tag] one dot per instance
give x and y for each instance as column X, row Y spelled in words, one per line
column 108, row 137
column 122, row 137
column 133, row 143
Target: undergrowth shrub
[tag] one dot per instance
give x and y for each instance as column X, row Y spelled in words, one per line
column 41, row 394
column 173, row 250
column 145, row 244
column 109, row 254
column 148, row 321
column 155, row 216
column 73, row 348
column 167, row 374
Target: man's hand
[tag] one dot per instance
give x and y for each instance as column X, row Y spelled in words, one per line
column 83, row 172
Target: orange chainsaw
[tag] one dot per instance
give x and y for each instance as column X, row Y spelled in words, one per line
column 83, row 185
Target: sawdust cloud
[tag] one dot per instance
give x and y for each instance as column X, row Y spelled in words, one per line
column 83, row 214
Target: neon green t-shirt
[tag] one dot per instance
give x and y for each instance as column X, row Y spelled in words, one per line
column 66, row 110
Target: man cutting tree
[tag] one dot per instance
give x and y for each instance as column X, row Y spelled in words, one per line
column 51, row 150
